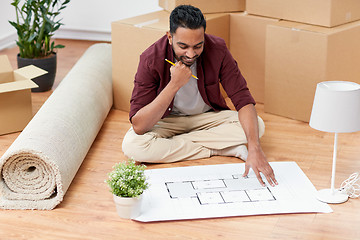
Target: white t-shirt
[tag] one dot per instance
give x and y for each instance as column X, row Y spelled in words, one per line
column 188, row 100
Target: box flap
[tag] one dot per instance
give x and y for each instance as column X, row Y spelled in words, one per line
column 30, row 71
column 17, row 85
column 296, row 26
column 158, row 20
column 5, row 65
column 206, row 6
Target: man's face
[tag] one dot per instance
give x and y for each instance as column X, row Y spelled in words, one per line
column 187, row 44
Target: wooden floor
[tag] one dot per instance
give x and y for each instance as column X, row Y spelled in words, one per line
column 88, row 211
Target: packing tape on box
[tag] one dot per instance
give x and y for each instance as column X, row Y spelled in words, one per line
column 146, row 23
column 348, row 16
column 37, row 169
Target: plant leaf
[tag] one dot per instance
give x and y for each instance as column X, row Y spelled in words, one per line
column 59, row 46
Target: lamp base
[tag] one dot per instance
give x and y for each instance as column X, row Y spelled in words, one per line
column 327, row 196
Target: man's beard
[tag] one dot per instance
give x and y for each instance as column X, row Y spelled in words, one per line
column 184, row 59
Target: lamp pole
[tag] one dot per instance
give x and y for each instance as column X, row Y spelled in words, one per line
column 334, row 164
column 332, row 195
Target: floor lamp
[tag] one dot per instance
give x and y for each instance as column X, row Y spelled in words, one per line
column 336, row 109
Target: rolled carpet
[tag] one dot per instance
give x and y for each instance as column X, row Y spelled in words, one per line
column 38, row 167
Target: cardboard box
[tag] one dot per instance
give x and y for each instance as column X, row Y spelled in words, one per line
column 206, row 6
column 326, row 13
column 130, row 37
column 298, row 56
column 15, row 95
column 247, row 45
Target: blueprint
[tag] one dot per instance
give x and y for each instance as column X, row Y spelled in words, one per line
column 211, row 191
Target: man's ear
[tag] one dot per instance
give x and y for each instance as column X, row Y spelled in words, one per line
column 169, row 36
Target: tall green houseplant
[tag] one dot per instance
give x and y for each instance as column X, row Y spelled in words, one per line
column 36, row 22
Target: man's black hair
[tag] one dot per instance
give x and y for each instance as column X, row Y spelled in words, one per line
column 186, row 16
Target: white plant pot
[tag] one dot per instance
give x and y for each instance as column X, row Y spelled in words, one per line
column 127, row 207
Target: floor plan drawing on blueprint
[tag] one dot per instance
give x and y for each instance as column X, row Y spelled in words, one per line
column 221, row 191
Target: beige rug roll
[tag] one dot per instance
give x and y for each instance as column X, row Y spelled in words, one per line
column 38, row 167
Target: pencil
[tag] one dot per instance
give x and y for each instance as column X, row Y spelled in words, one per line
column 174, row 65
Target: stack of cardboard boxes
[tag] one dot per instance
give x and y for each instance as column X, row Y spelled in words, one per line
column 283, row 47
column 247, row 45
column 315, row 41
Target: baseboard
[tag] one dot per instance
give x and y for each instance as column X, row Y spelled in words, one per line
column 8, row 41
column 80, row 34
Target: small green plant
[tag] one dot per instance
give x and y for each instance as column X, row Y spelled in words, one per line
column 36, row 22
column 127, row 179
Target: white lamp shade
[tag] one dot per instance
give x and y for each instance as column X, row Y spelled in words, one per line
column 336, row 107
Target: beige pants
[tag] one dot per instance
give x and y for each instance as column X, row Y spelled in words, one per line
column 176, row 138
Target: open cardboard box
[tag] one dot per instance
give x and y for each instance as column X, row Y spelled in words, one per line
column 15, row 95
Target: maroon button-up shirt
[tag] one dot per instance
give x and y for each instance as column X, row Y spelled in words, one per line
column 214, row 64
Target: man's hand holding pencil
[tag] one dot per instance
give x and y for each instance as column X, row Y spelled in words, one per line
column 174, row 65
column 180, row 75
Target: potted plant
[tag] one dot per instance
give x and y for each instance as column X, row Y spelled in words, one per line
column 36, row 21
column 127, row 182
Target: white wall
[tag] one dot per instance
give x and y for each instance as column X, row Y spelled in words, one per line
column 83, row 19
column 7, row 32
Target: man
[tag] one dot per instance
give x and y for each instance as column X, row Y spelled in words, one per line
column 178, row 113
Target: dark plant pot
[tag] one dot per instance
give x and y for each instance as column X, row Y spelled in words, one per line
column 46, row 81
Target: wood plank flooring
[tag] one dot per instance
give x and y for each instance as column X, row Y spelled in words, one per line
column 88, row 211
